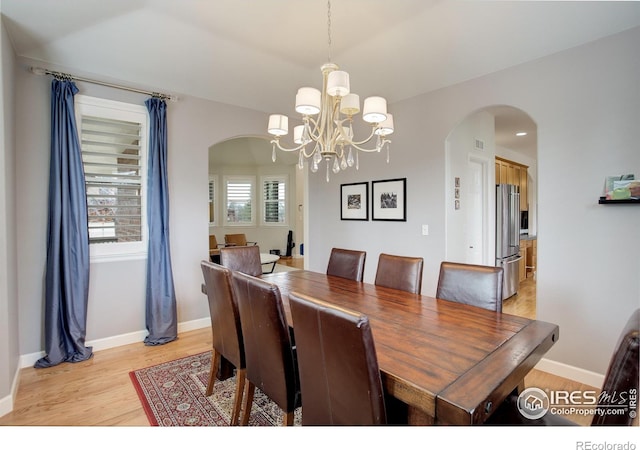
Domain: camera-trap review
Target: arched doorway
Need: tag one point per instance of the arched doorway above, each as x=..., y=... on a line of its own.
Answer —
x=473, y=147
x=245, y=163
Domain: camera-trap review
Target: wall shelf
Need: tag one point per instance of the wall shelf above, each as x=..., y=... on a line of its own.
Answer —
x=604, y=201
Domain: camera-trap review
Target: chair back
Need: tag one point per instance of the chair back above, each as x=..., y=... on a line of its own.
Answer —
x=622, y=374
x=346, y=263
x=213, y=242
x=225, y=317
x=235, y=239
x=471, y=284
x=245, y=259
x=340, y=379
x=269, y=355
x=400, y=272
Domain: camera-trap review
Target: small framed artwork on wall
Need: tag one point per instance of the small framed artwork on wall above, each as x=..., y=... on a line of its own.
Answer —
x=389, y=199
x=354, y=201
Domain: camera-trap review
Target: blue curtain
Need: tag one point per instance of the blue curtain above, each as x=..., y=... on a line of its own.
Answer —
x=67, y=266
x=161, y=317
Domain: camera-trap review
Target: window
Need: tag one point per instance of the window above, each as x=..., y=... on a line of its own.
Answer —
x=239, y=200
x=113, y=138
x=213, y=190
x=274, y=200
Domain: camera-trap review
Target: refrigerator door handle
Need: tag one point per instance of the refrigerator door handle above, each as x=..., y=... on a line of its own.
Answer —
x=514, y=228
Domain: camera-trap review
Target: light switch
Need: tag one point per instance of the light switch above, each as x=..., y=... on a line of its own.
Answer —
x=425, y=230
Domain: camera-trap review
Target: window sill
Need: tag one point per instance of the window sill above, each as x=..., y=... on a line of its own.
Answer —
x=117, y=257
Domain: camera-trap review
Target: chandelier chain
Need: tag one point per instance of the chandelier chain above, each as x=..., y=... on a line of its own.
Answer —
x=326, y=133
x=329, y=28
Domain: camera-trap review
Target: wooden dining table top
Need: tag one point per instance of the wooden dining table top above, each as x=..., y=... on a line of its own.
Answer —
x=450, y=363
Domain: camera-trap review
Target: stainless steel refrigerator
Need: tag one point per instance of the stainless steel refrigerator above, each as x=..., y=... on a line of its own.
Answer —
x=508, y=236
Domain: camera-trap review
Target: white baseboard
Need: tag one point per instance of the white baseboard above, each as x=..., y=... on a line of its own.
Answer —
x=572, y=373
x=6, y=403
x=117, y=341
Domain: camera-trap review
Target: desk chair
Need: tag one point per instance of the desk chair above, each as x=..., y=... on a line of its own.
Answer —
x=225, y=329
x=621, y=377
x=339, y=375
x=346, y=263
x=471, y=284
x=245, y=259
x=400, y=272
x=237, y=240
x=271, y=364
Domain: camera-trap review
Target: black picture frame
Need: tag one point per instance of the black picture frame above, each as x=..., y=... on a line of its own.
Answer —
x=354, y=201
x=389, y=200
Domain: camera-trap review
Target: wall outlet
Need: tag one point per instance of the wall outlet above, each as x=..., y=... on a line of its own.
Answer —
x=425, y=230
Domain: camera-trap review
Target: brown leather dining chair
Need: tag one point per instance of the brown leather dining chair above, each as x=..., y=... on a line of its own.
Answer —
x=471, y=284
x=400, y=272
x=339, y=374
x=621, y=380
x=239, y=239
x=245, y=259
x=225, y=329
x=346, y=263
x=271, y=363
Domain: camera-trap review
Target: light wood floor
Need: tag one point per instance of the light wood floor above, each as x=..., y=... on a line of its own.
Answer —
x=99, y=391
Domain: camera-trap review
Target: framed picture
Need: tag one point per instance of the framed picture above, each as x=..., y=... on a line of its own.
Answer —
x=354, y=201
x=389, y=199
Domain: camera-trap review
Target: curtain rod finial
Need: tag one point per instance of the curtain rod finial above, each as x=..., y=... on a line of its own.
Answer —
x=38, y=71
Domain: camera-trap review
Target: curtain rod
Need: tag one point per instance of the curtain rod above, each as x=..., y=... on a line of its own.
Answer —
x=66, y=76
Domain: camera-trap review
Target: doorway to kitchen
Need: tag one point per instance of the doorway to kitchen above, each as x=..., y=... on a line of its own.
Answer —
x=471, y=151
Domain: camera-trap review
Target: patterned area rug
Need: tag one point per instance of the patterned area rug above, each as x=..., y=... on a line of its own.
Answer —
x=173, y=394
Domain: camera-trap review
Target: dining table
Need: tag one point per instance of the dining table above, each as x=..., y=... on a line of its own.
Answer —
x=450, y=363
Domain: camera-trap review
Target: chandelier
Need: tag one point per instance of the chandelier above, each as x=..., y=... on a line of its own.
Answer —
x=326, y=132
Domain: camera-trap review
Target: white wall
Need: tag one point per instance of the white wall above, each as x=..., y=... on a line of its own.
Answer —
x=460, y=148
x=8, y=284
x=586, y=103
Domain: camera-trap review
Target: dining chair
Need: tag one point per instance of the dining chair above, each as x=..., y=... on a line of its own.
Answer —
x=340, y=379
x=214, y=249
x=471, y=284
x=400, y=272
x=620, y=382
x=270, y=358
x=245, y=259
x=346, y=263
x=225, y=329
x=239, y=239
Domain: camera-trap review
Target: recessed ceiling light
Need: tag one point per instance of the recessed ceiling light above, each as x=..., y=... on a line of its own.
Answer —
x=521, y=133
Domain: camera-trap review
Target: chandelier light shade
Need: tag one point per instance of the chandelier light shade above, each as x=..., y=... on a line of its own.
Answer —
x=326, y=133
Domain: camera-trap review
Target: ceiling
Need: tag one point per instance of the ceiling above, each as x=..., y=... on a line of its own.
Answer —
x=256, y=53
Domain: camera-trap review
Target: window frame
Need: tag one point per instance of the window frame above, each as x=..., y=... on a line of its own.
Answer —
x=110, y=109
x=239, y=178
x=284, y=179
x=213, y=180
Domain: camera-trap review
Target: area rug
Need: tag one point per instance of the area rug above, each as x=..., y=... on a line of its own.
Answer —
x=173, y=394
